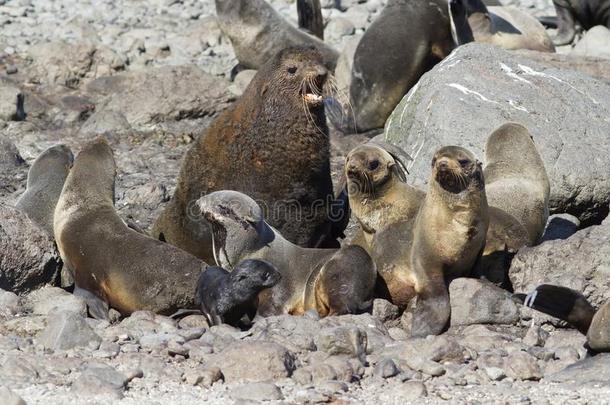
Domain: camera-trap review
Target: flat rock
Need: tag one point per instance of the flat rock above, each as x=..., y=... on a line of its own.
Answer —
x=259, y=391
x=351, y=341
x=567, y=113
x=49, y=300
x=29, y=258
x=592, y=370
x=66, y=330
x=475, y=302
x=100, y=380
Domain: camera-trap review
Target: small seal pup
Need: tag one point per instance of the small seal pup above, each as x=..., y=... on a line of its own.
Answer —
x=571, y=306
x=46, y=178
x=226, y=297
x=406, y=40
x=331, y=281
x=586, y=13
x=114, y=265
x=506, y=27
x=258, y=32
x=272, y=144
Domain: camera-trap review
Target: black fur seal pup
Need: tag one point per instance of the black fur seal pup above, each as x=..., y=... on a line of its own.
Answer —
x=226, y=297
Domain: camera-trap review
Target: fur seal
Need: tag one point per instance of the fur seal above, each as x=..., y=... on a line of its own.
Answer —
x=331, y=281
x=46, y=178
x=506, y=27
x=272, y=144
x=406, y=40
x=257, y=32
x=226, y=297
x=418, y=241
x=587, y=13
x=571, y=306
x=114, y=265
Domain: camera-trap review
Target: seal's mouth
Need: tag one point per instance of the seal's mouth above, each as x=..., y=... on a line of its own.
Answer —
x=219, y=239
x=311, y=91
x=451, y=180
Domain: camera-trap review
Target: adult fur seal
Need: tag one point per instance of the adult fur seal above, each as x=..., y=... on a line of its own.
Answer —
x=406, y=40
x=226, y=297
x=257, y=32
x=114, y=265
x=571, y=306
x=331, y=281
x=587, y=13
x=272, y=144
x=46, y=178
x=506, y=27
x=419, y=242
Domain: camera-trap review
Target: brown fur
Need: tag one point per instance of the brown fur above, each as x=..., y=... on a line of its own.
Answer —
x=270, y=145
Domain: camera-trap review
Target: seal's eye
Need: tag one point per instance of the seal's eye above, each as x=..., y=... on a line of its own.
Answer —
x=292, y=70
x=373, y=164
x=464, y=162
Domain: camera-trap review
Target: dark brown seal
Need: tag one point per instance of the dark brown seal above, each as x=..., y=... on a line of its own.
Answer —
x=273, y=145
x=586, y=13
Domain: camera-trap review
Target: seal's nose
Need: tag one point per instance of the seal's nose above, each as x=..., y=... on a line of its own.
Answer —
x=442, y=164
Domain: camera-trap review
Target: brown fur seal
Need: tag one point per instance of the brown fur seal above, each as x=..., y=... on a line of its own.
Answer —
x=331, y=281
x=571, y=306
x=419, y=241
x=114, y=265
x=272, y=144
x=506, y=27
x=257, y=32
x=46, y=178
x=586, y=13
x=406, y=40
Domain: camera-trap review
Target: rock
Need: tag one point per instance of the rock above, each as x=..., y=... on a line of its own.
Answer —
x=384, y=310
x=105, y=122
x=167, y=93
x=502, y=86
x=590, y=371
x=254, y=361
x=585, y=256
x=343, y=71
x=296, y=333
x=337, y=28
x=594, y=67
x=475, y=301
x=495, y=373
x=68, y=64
x=11, y=103
x=412, y=390
x=209, y=376
x=260, y=391
x=595, y=43
x=9, y=304
x=9, y=397
x=100, y=380
x=342, y=340
x=50, y=300
x=560, y=226
x=386, y=368
x=66, y=330
x=598, y=335
x=30, y=259
x=522, y=366
x=241, y=81
x=193, y=321
x=535, y=336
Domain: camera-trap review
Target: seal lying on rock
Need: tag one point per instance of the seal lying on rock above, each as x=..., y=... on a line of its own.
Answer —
x=506, y=27
x=571, y=306
x=114, y=265
x=587, y=13
x=272, y=144
x=330, y=281
x=226, y=297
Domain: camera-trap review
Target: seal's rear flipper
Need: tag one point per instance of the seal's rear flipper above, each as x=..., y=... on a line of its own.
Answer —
x=549, y=21
x=560, y=302
x=458, y=18
x=97, y=307
x=310, y=17
x=341, y=119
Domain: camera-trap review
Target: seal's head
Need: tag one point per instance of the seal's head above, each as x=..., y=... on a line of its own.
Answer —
x=456, y=169
x=237, y=223
x=250, y=277
x=56, y=160
x=370, y=166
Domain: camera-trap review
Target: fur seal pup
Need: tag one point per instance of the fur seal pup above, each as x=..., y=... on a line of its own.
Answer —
x=46, y=178
x=272, y=144
x=406, y=40
x=114, y=265
x=586, y=13
x=331, y=281
x=258, y=32
x=506, y=27
x=226, y=297
x=571, y=306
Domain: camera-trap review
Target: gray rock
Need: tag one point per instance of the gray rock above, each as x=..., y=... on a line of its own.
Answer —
x=9, y=397
x=522, y=366
x=259, y=391
x=50, y=300
x=598, y=335
x=585, y=256
x=560, y=226
x=594, y=67
x=590, y=371
x=11, y=103
x=9, y=304
x=254, y=361
x=351, y=341
x=100, y=380
x=337, y=28
x=385, y=310
x=475, y=301
x=501, y=86
x=535, y=336
x=386, y=368
x=377, y=336
x=66, y=330
x=241, y=82
x=595, y=43
x=412, y=390
x=30, y=259
x=296, y=333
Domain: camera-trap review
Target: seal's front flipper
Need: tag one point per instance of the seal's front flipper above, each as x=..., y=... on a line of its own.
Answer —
x=310, y=17
x=566, y=25
x=97, y=307
x=549, y=21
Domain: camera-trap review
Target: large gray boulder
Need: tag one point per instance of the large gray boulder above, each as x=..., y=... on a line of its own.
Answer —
x=479, y=87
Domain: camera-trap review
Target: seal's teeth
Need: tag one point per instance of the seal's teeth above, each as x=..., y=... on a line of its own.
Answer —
x=313, y=98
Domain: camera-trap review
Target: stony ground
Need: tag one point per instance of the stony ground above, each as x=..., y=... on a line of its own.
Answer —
x=151, y=75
